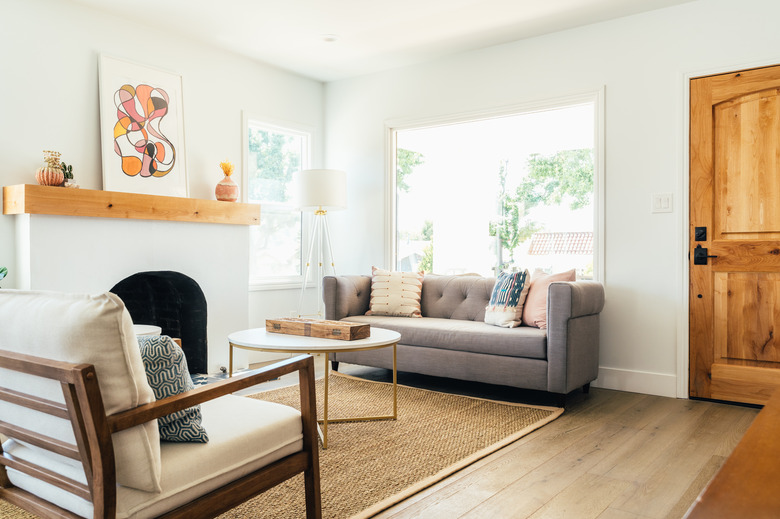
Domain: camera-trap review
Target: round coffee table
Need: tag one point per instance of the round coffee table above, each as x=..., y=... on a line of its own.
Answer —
x=258, y=339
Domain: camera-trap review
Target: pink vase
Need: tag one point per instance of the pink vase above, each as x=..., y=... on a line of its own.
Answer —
x=226, y=190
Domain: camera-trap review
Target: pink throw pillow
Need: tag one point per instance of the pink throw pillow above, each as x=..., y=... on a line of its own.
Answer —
x=535, y=309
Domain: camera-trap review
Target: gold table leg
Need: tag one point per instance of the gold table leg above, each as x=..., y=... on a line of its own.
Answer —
x=325, y=420
x=395, y=385
x=325, y=405
x=230, y=364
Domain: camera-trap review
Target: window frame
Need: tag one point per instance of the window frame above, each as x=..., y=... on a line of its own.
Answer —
x=392, y=127
x=308, y=133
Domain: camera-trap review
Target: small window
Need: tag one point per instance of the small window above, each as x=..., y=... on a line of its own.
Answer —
x=273, y=154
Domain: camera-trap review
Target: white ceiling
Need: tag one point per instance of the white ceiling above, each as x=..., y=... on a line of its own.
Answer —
x=369, y=35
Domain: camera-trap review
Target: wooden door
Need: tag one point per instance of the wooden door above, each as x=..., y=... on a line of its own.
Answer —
x=735, y=199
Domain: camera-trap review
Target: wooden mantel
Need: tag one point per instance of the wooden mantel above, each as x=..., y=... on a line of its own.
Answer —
x=34, y=199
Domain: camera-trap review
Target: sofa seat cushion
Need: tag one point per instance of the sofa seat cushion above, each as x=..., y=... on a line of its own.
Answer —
x=244, y=435
x=463, y=335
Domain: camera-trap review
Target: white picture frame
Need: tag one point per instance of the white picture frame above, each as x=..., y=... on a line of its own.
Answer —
x=141, y=129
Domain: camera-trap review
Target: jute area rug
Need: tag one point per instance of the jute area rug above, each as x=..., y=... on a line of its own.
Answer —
x=369, y=466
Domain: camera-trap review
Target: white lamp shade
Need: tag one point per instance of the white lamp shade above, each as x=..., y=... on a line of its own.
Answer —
x=320, y=189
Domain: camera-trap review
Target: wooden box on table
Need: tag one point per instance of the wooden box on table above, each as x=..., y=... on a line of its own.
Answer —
x=341, y=330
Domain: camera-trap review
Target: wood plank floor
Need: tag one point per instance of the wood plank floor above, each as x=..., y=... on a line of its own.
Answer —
x=611, y=455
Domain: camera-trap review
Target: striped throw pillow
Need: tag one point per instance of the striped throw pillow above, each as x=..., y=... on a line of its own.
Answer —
x=506, y=302
x=167, y=373
x=395, y=293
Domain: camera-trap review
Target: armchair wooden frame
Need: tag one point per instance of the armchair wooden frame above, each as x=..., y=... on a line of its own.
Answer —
x=93, y=428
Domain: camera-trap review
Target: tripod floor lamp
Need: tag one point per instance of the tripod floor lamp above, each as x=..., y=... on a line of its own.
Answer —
x=318, y=191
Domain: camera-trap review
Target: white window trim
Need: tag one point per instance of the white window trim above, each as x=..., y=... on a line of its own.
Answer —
x=596, y=97
x=268, y=123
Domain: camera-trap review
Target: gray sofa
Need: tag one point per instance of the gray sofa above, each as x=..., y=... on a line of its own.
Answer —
x=452, y=340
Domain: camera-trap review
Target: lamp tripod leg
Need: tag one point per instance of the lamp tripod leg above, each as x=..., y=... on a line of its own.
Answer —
x=324, y=233
x=312, y=239
x=330, y=245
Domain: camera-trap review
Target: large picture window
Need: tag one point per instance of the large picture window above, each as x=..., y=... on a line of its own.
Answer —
x=504, y=192
x=273, y=154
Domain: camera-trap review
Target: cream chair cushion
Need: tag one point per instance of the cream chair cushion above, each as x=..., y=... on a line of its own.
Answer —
x=244, y=435
x=81, y=328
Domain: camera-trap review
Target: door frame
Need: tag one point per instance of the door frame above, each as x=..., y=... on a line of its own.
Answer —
x=683, y=330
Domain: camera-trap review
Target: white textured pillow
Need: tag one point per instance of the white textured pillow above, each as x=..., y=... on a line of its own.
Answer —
x=506, y=302
x=90, y=329
x=395, y=293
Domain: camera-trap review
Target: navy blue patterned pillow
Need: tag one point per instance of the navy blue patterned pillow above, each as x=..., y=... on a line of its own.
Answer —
x=167, y=373
x=506, y=302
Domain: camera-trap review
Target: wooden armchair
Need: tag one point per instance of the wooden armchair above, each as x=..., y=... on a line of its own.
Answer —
x=83, y=469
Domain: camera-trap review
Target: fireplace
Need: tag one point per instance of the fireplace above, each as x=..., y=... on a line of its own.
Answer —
x=88, y=254
x=175, y=303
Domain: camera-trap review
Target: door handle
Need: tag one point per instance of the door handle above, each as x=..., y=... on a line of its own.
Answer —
x=700, y=255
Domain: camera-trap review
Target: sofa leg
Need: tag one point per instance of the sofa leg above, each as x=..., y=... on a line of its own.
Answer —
x=586, y=388
x=334, y=365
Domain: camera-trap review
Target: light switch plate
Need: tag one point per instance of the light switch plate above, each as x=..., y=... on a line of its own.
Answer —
x=661, y=203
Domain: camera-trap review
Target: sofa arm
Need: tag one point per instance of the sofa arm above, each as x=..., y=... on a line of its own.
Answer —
x=573, y=334
x=346, y=295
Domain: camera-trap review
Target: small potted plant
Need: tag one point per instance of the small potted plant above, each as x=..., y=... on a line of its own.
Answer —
x=67, y=172
x=3, y=272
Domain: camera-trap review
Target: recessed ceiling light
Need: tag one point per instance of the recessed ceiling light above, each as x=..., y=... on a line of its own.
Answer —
x=329, y=38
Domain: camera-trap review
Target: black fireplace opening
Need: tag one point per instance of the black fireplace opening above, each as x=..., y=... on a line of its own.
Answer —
x=174, y=302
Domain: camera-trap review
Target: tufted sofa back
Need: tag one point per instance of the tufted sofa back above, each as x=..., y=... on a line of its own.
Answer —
x=456, y=297
x=447, y=297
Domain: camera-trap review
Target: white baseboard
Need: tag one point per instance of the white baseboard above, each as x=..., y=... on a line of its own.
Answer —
x=660, y=384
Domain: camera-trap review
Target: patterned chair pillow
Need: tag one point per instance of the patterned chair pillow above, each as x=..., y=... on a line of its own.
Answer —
x=167, y=372
x=506, y=302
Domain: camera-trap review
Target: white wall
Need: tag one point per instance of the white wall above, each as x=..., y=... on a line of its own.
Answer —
x=49, y=101
x=642, y=61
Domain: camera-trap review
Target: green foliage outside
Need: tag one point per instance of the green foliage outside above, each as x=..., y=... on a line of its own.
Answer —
x=273, y=158
x=551, y=180
x=427, y=231
x=276, y=161
x=514, y=227
x=426, y=263
x=405, y=162
x=567, y=174
x=564, y=177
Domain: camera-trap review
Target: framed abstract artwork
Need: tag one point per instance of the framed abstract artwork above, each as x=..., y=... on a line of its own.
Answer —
x=141, y=129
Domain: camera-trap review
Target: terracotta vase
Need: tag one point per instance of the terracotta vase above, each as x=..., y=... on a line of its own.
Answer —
x=49, y=176
x=227, y=190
